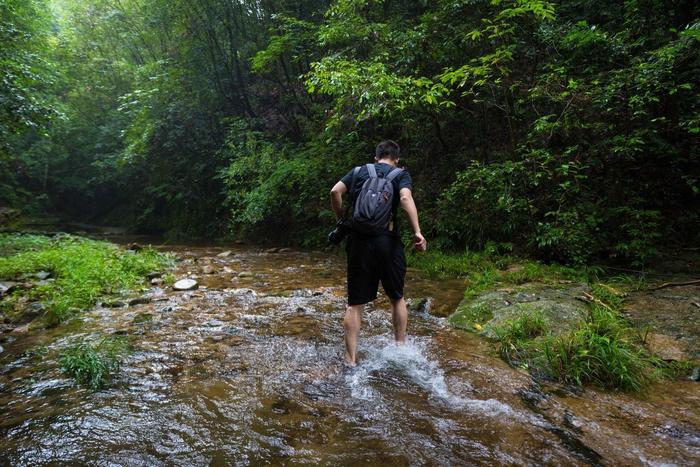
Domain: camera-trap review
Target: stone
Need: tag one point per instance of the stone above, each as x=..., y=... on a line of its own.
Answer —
x=667, y=347
x=33, y=310
x=111, y=303
x=42, y=275
x=208, y=269
x=245, y=274
x=228, y=270
x=421, y=306
x=272, y=250
x=1, y=349
x=185, y=284
x=153, y=275
x=134, y=247
x=8, y=287
x=139, y=301
x=560, y=306
x=156, y=281
x=224, y=254
x=284, y=250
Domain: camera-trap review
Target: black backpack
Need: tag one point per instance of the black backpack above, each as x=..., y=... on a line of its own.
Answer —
x=372, y=207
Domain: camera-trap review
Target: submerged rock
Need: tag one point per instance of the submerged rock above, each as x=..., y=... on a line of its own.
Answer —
x=667, y=347
x=484, y=313
x=185, y=284
x=139, y=301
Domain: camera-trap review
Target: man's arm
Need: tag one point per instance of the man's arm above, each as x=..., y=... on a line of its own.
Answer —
x=337, y=193
x=408, y=205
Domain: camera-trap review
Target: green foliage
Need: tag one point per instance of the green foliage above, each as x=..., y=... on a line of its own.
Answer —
x=82, y=270
x=557, y=127
x=92, y=363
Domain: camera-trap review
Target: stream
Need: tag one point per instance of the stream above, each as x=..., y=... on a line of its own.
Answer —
x=246, y=370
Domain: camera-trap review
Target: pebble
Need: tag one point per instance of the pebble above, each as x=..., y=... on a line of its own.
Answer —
x=245, y=274
x=224, y=254
x=185, y=284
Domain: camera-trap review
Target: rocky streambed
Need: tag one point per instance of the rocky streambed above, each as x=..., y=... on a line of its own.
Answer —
x=245, y=369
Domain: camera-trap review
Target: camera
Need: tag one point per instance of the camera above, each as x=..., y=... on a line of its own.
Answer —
x=338, y=234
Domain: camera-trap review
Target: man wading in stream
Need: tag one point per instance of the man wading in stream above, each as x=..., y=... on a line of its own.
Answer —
x=374, y=248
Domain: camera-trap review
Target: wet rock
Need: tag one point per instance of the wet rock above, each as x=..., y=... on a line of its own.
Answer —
x=156, y=281
x=284, y=250
x=111, y=303
x=421, y=306
x=272, y=250
x=228, y=270
x=42, y=275
x=8, y=287
x=667, y=347
x=185, y=284
x=245, y=274
x=695, y=375
x=33, y=310
x=139, y=301
x=560, y=306
x=134, y=247
x=153, y=275
x=208, y=269
x=224, y=254
x=21, y=329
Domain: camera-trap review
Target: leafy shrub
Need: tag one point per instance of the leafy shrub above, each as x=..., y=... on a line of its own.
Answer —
x=92, y=363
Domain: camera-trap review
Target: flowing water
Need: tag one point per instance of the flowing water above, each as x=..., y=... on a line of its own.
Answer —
x=247, y=370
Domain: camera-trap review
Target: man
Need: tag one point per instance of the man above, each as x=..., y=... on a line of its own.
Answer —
x=380, y=257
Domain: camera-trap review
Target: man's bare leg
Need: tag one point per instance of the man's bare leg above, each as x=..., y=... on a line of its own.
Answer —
x=352, y=323
x=399, y=318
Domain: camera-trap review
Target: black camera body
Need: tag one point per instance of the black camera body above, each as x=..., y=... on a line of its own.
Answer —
x=342, y=228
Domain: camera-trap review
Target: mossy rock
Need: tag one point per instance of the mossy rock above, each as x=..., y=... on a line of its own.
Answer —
x=490, y=310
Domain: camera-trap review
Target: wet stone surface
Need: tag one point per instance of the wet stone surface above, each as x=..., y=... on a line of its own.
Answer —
x=247, y=370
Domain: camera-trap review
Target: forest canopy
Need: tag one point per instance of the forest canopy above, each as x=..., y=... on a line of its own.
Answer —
x=568, y=129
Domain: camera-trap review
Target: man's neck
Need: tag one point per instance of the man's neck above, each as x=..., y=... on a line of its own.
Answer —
x=387, y=161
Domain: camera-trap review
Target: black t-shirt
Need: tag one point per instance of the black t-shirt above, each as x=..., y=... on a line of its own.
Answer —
x=403, y=180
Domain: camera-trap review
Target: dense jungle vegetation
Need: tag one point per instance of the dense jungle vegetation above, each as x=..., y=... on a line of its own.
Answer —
x=565, y=129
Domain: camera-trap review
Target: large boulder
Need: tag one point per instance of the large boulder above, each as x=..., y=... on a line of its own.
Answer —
x=561, y=306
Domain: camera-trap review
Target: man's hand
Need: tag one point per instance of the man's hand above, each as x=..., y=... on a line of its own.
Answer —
x=419, y=242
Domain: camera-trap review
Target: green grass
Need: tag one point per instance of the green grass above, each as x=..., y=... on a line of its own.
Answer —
x=516, y=336
x=603, y=350
x=91, y=364
x=83, y=270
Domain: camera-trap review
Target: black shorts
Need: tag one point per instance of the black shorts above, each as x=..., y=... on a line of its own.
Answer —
x=374, y=259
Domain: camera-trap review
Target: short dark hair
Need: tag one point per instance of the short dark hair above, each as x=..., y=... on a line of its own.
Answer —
x=387, y=148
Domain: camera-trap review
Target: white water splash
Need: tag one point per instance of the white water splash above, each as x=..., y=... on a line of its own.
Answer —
x=411, y=360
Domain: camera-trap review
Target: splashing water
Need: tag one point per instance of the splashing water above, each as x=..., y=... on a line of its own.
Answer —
x=411, y=362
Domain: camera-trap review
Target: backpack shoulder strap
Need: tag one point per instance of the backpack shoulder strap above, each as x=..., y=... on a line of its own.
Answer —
x=372, y=171
x=394, y=173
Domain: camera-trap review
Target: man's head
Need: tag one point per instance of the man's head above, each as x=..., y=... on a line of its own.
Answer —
x=387, y=149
